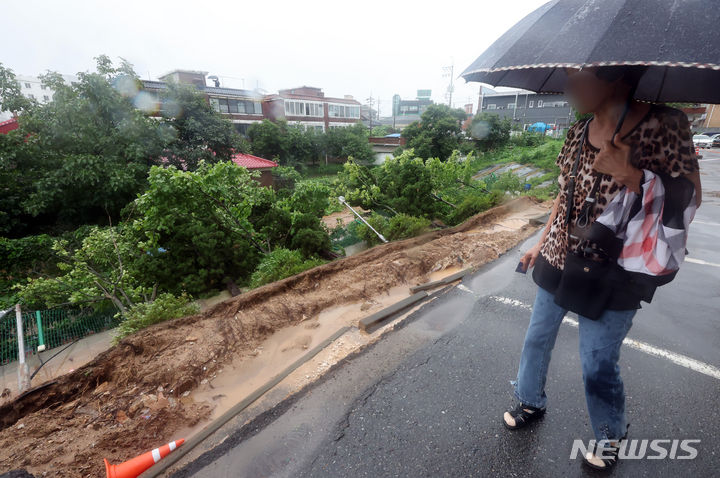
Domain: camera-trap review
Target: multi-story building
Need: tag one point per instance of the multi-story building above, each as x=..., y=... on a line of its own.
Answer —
x=526, y=108
x=241, y=107
x=308, y=106
x=408, y=111
x=32, y=87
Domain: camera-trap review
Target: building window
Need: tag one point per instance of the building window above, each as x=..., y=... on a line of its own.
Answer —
x=531, y=103
x=27, y=85
x=46, y=98
x=32, y=97
x=224, y=108
x=511, y=106
x=42, y=87
x=303, y=108
x=343, y=111
x=215, y=103
x=241, y=128
x=233, y=106
x=540, y=103
x=492, y=106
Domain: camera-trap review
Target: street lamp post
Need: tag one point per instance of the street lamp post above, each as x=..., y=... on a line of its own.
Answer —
x=342, y=200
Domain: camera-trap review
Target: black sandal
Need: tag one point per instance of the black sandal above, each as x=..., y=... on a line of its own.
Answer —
x=609, y=455
x=523, y=417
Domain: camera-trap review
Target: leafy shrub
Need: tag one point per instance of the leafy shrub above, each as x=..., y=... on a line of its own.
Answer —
x=285, y=177
x=165, y=307
x=21, y=258
x=402, y=226
x=473, y=205
x=379, y=222
x=279, y=264
x=508, y=181
x=528, y=138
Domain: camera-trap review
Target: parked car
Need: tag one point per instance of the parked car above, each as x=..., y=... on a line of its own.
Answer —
x=702, y=141
x=715, y=140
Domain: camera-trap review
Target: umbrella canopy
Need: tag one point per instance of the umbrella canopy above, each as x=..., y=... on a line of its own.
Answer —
x=679, y=41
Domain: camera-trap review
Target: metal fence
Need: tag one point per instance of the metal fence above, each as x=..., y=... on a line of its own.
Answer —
x=49, y=328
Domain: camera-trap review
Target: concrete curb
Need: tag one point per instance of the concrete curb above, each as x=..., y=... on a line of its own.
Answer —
x=370, y=320
x=443, y=281
x=539, y=220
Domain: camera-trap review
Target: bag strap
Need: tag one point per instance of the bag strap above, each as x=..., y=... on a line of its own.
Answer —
x=573, y=175
x=586, y=212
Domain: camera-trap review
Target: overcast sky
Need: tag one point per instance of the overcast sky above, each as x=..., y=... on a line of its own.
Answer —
x=359, y=48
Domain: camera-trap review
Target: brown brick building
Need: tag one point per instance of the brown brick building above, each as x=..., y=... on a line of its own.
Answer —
x=310, y=107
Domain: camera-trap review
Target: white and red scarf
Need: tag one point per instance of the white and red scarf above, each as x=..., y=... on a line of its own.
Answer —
x=653, y=226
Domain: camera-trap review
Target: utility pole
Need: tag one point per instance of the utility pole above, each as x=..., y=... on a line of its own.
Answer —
x=371, y=102
x=449, y=72
x=480, y=100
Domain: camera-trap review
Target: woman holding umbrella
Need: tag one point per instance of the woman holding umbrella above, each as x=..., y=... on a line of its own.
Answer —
x=605, y=56
x=603, y=92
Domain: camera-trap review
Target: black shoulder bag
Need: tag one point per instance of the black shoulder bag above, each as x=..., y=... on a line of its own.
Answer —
x=587, y=279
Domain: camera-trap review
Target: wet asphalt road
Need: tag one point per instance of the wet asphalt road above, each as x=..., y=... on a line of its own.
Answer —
x=427, y=400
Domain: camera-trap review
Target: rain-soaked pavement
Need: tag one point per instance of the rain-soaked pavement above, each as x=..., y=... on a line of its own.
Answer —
x=427, y=399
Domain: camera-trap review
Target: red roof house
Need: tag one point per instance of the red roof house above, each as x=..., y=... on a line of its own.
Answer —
x=255, y=163
x=9, y=125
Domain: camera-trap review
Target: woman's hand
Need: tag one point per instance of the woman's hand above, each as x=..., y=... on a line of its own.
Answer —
x=528, y=260
x=615, y=161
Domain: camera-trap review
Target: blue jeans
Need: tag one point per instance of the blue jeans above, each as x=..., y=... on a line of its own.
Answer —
x=600, y=342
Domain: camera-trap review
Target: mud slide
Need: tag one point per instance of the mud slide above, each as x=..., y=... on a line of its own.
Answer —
x=137, y=394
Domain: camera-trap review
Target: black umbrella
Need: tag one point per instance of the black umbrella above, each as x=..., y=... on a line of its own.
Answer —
x=678, y=40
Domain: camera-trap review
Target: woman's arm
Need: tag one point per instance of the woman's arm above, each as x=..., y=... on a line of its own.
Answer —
x=695, y=178
x=553, y=213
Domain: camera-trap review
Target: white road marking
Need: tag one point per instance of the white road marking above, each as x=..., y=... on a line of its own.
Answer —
x=678, y=359
x=697, y=221
x=700, y=261
x=710, y=159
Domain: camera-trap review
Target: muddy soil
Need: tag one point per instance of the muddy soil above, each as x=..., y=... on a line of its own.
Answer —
x=136, y=395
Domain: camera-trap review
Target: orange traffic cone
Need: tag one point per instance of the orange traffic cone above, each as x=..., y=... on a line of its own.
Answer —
x=133, y=468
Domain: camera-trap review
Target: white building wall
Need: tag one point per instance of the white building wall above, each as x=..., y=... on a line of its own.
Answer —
x=31, y=87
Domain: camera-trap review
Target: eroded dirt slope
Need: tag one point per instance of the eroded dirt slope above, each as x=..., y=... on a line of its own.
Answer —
x=133, y=397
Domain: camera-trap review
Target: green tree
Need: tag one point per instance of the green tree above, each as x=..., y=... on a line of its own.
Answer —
x=193, y=227
x=79, y=158
x=400, y=184
x=437, y=133
x=285, y=143
x=349, y=141
x=11, y=98
x=84, y=155
x=199, y=132
x=489, y=131
x=98, y=271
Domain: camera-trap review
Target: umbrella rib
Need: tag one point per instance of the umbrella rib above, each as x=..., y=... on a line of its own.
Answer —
x=503, y=77
x=607, y=28
x=546, y=79
x=662, y=84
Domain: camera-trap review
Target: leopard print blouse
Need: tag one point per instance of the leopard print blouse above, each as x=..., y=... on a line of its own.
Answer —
x=661, y=142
